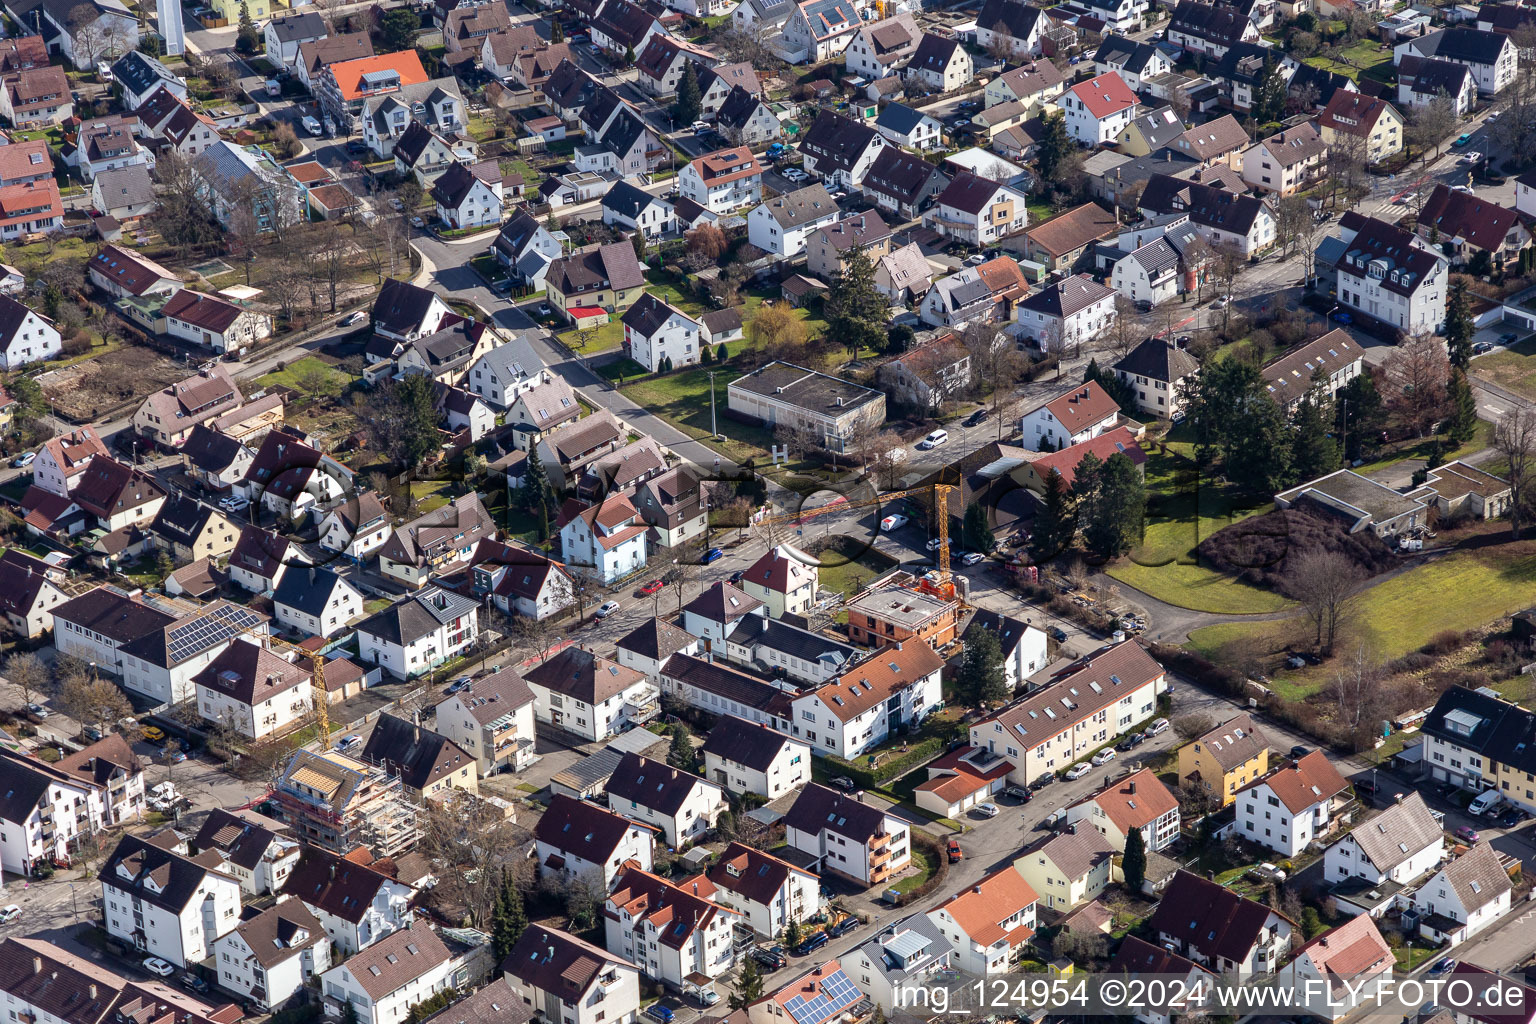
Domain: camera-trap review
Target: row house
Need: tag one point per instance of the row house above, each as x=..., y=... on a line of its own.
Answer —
x=881, y=697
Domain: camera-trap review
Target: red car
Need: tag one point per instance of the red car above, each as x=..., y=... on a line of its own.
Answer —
x=653, y=587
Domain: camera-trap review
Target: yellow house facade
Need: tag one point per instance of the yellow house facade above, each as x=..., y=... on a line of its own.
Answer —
x=1226, y=759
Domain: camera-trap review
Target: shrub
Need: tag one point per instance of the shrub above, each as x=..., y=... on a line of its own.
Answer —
x=1258, y=550
x=1444, y=642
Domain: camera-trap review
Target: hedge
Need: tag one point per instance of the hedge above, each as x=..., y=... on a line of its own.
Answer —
x=865, y=777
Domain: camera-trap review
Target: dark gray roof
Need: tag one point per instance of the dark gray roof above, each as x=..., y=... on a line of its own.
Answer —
x=401, y=306
x=653, y=784
x=113, y=614
x=623, y=132
x=656, y=640
x=738, y=108
x=24, y=781
x=304, y=26
x=139, y=73
x=1158, y=360
x=725, y=682
x=152, y=874
x=1009, y=17
x=1431, y=76
x=181, y=519
x=1009, y=631
x=899, y=175
x=1220, y=24
x=802, y=206
x=418, y=756
x=1159, y=127
x=736, y=739
x=807, y=389
x=626, y=200
x=1467, y=45
x=648, y=314
x=1128, y=54
x=899, y=118
x=125, y=186
x=414, y=617
x=306, y=589
x=819, y=809
x=933, y=53
x=837, y=140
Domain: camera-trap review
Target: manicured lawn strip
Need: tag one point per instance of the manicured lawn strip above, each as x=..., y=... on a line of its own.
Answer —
x=838, y=573
x=1458, y=592
x=608, y=336
x=1164, y=566
x=1423, y=449
x=294, y=372
x=926, y=864
x=682, y=399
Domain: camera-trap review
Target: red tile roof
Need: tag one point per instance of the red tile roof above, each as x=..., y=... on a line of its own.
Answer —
x=1065, y=462
x=1104, y=95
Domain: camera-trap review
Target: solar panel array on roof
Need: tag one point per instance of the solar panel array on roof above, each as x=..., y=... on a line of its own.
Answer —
x=219, y=625
x=837, y=994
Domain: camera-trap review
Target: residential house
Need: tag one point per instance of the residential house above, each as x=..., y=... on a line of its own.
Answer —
x=664, y=61
x=745, y=120
x=957, y=300
x=120, y=272
x=722, y=181
x=163, y=904
x=62, y=460
x=607, y=277
x=284, y=36
x=139, y=75
x=1389, y=275
x=745, y=757
x=315, y=57
x=466, y=27
x=170, y=119
x=679, y=805
x=674, y=933
x=427, y=154
x=1492, y=57
x=784, y=580
x=900, y=182
x=1465, y=226
x=831, y=409
x=1288, y=162
x=1340, y=965
x=621, y=26
x=817, y=30
x=580, y=839
x=29, y=592
x=1098, y=110
x=1220, y=141
x=492, y=721
x=927, y=376
x=1032, y=84
x=1150, y=132
x=428, y=764
x=386, y=981
x=469, y=197
x=566, y=453
x=1220, y=929
x=828, y=245
x=838, y=148
x=977, y=211
x=521, y=582
x=356, y=528
x=419, y=632
x=253, y=692
x=878, y=49
x=509, y=370
x=25, y=337
x=1015, y=28
x=567, y=978
x=239, y=185
x=1133, y=61
x=51, y=807
x=844, y=836
x=338, y=804
x=1421, y=81
x=718, y=83
x=607, y=540
x=405, y=312
x=169, y=415
x=1136, y=803
x=589, y=695
x=1099, y=698
x=767, y=891
x=1139, y=957
x=315, y=601
x=630, y=207
x=36, y=97
x=1069, y=312
x=125, y=195
x=1225, y=759
x=288, y=476
x=903, y=275
x=1320, y=368
x=1292, y=805
x=1021, y=645
x=1367, y=124
x=188, y=529
x=988, y=924
x=526, y=249
x=1209, y=29
x=672, y=505
x=1159, y=376
x=783, y=224
x=343, y=87
x=1067, y=869
x=899, y=955
x=252, y=847
x=940, y=64
x=214, y=323
x=271, y=957
x=30, y=209
x=1464, y=897
x=1243, y=222
x=436, y=542
x=872, y=700
x=1398, y=845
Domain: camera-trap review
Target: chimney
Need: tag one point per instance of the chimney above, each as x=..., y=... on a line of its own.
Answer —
x=333, y=870
x=37, y=965
x=1132, y=787
x=93, y=990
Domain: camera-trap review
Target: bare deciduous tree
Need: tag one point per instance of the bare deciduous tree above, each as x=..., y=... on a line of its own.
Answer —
x=472, y=836
x=1514, y=438
x=1193, y=724
x=27, y=672
x=1326, y=585
x=1357, y=695
x=1419, y=376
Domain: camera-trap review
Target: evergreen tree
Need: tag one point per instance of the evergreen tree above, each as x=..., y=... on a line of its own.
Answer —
x=1120, y=500
x=1134, y=863
x=1458, y=325
x=981, y=677
x=705, y=355
x=1055, y=145
x=1085, y=488
x=1361, y=417
x=1056, y=523
x=721, y=354
x=792, y=934
x=1461, y=425
x=976, y=531
x=1260, y=459
x=556, y=31
x=638, y=241
x=509, y=918
x=1269, y=99
x=537, y=496
x=689, y=104
x=629, y=55
x=855, y=312
x=1314, y=452
x=680, y=755
x=1113, y=386
x=749, y=986
x=247, y=41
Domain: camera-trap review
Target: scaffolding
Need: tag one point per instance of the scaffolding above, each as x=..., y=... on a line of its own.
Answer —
x=338, y=803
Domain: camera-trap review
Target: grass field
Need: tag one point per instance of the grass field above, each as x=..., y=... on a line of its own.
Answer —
x=1461, y=591
x=925, y=863
x=1513, y=367
x=297, y=374
x=1361, y=59
x=607, y=337
x=847, y=576
x=682, y=399
x=1165, y=565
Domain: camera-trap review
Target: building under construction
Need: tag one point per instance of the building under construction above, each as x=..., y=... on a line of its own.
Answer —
x=339, y=803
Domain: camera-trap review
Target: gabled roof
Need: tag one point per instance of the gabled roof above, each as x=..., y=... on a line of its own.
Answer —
x=627, y=200
x=819, y=809
x=1398, y=833
x=414, y=617
x=250, y=674
x=738, y=108
x=1430, y=76
x=154, y=875
x=1067, y=297
x=401, y=306
x=1118, y=51
x=107, y=488
x=1352, y=113
x=1104, y=95
x=1074, y=854
x=304, y=26
x=458, y=524
x=1009, y=18
x=723, y=602
x=1469, y=218
x=139, y=72
x=828, y=19
x=1289, y=376
x=1477, y=877
x=623, y=22
x=1212, y=139
x=583, y=829
x=802, y=206
x=838, y=141
x=126, y=268
x=1465, y=45
x=549, y=960
x=753, y=875
x=656, y=640
x=742, y=742
x=334, y=50
x=1234, y=743
x=879, y=678
x=900, y=175
x=1217, y=23
x=208, y=312
x=981, y=909
x=1212, y=919
x=933, y=54
x=653, y=784
x=418, y=756
x=584, y=676
x=970, y=193
x=1064, y=463
x=1156, y=359
x=1408, y=264
x=614, y=264
x=335, y=885
x=1137, y=956
x=396, y=960
x=241, y=838
x=496, y=696
x=1310, y=781
x=1136, y=801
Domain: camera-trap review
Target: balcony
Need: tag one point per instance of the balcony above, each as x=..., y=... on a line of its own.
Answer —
x=880, y=856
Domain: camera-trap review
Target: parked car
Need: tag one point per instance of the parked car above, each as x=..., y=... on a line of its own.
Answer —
x=1511, y=818
x=153, y=734
x=1462, y=140
x=653, y=587
x=1343, y=317
x=934, y=543
x=987, y=810
x=155, y=965
x=1132, y=741
x=738, y=576
x=311, y=125
x=606, y=609
x=193, y=983
x=1482, y=346
x=355, y=317
x=713, y=555
x=971, y=557
x=1158, y=727
x=812, y=944
x=348, y=742
x=1019, y=793
x=23, y=460
x=843, y=782
x=976, y=418
x=1443, y=965
x=954, y=851
x=461, y=683
x=1077, y=771
x=1058, y=634
x=1299, y=751
x=1103, y=757
x=9, y=913
x=846, y=925
x=699, y=126
x=1467, y=834
x=1508, y=338
x=894, y=521
x=39, y=710
x=771, y=957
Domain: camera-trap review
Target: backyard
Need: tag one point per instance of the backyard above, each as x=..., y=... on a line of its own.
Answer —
x=846, y=571
x=1366, y=58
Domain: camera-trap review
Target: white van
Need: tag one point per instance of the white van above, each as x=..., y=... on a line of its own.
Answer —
x=1410, y=544
x=1486, y=801
x=933, y=440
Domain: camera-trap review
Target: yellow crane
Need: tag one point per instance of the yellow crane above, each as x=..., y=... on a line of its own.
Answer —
x=940, y=495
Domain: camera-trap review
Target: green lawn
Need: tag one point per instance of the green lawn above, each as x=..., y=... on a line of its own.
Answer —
x=609, y=336
x=1461, y=591
x=925, y=862
x=1182, y=511
x=622, y=369
x=430, y=494
x=1423, y=449
x=839, y=573
x=682, y=399
x=297, y=373
x=1361, y=59
x=1513, y=367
